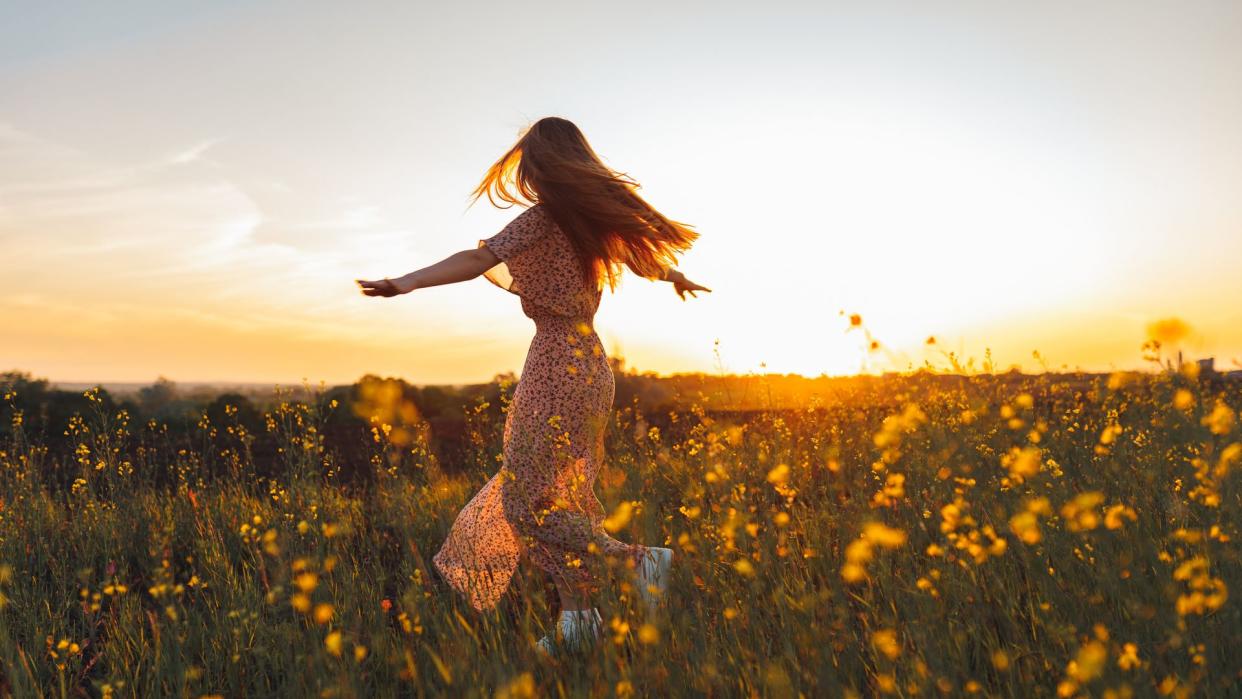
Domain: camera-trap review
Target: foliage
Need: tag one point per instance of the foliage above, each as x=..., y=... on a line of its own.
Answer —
x=1002, y=536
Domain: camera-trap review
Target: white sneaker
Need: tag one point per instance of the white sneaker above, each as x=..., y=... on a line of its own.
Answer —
x=653, y=573
x=574, y=630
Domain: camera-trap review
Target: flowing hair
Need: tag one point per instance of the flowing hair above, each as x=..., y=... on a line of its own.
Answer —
x=598, y=208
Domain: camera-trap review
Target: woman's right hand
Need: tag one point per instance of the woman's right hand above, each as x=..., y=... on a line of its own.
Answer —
x=382, y=287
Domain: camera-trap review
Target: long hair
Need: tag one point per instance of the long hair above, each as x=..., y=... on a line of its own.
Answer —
x=599, y=209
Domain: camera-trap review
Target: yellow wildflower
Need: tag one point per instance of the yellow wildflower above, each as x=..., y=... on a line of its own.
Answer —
x=333, y=643
x=885, y=642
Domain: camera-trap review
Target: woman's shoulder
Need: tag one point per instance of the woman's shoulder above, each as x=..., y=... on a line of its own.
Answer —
x=538, y=213
x=519, y=234
x=535, y=222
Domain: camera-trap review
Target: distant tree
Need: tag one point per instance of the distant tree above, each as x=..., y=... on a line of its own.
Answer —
x=25, y=385
x=46, y=410
x=156, y=397
x=247, y=414
x=164, y=402
x=24, y=393
x=434, y=401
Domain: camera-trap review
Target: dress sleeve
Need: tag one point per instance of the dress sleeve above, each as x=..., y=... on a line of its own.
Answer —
x=522, y=232
x=518, y=236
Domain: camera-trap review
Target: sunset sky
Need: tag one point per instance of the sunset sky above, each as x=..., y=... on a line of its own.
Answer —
x=190, y=189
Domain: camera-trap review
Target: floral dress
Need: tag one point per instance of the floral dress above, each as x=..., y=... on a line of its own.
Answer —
x=541, y=502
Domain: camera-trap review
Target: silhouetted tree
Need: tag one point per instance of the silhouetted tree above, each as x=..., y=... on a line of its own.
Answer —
x=156, y=397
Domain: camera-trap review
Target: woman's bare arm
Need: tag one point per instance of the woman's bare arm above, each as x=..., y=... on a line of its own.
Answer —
x=682, y=285
x=458, y=267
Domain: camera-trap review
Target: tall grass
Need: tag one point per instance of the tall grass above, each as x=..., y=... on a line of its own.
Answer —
x=922, y=537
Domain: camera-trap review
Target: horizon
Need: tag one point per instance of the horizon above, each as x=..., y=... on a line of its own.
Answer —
x=1151, y=368
x=196, y=188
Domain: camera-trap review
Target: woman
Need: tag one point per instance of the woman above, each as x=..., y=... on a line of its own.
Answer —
x=583, y=223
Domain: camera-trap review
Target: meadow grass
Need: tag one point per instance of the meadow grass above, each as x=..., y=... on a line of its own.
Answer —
x=922, y=536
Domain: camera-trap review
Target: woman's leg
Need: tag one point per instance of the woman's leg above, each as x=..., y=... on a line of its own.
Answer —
x=572, y=600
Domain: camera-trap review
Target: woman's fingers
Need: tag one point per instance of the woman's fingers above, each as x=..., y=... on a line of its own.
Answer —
x=379, y=287
x=689, y=287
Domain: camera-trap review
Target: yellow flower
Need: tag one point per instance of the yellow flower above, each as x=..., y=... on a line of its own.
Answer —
x=1039, y=506
x=360, y=653
x=333, y=643
x=852, y=573
x=779, y=475
x=323, y=613
x=619, y=518
x=306, y=582
x=1129, y=658
x=520, y=687
x=1080, y=514
x=884, y=536
x=1025, y=525
x=744, y=567
x=1114, y=515
x=950, y=516
x=1221, y=419
x=1110, y=433
x=894, y=489
x=885, y=642
x=648, y=634
x=1183, y=399
x=859, y=552
x=1022, y=463
x=1089, y=662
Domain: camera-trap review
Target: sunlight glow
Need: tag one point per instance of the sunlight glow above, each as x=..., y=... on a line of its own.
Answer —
x=999, y=185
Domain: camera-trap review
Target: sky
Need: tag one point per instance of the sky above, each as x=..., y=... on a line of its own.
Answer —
x=189, y=189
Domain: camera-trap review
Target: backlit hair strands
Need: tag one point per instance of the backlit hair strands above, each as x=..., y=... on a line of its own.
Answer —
x=599, y=209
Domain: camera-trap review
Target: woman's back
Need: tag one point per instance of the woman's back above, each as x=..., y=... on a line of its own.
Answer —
x=539, y=263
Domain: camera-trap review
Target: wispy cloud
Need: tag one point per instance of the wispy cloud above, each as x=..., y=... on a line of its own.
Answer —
x=182, y=227
x=195, y=152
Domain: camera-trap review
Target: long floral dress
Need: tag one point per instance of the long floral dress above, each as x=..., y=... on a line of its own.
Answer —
x=541, y=502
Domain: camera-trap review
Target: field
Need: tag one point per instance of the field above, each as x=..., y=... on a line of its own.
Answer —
x=921, y=535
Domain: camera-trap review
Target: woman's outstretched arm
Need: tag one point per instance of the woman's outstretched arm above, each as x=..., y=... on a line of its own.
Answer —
x=458, y=267
x=680, y=284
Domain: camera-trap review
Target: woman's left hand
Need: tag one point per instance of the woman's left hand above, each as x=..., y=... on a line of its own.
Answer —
x=684, y=286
